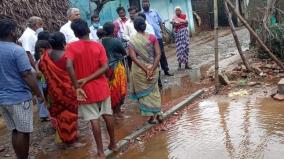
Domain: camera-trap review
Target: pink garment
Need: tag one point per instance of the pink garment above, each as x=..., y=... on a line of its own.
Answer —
x=153, y=39
x=180, y=22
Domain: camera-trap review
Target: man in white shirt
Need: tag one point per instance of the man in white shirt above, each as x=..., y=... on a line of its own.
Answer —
x=28, y=41
x=119, y=25
x=29, y=37
x=94, y=27
x=72, y=13
x=129, y=28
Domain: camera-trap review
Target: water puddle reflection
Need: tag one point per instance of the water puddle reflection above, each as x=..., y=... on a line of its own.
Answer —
x=221, y=128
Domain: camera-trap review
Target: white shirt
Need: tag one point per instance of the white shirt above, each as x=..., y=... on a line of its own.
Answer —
x=149, y=29
x=93, y=34
x=130, y=30
x=121, y=28
x=28, y=40
x=68, y=32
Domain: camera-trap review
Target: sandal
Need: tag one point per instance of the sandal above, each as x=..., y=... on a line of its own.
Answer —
x=152, y=120
x=160, y=118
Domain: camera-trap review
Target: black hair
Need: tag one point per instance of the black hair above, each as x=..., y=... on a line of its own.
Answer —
x=109, y=28
x=41, y=44
x=131, y=8
x=44, y=35
x=142, y=15
x=7, y=26
x=57, y=41
x=95, y=16
x=139, y=24
x=80, y=27
x=101, y=33
x=120, y=9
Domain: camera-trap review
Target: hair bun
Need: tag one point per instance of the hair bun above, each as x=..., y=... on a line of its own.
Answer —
x=51, y=41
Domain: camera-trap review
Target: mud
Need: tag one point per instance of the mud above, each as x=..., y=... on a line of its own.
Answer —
x=221, y=127
x=174, y=88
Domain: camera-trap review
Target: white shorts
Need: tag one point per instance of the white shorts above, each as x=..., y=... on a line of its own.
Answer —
x=95, y=110
x=18, y=116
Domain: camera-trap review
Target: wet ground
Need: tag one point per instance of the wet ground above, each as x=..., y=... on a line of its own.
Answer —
x=221, y=127
x=199, y=129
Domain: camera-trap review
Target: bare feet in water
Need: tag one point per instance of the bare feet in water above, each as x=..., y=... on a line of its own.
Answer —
x=119, y=115
x=100, y=156
x=113, y=147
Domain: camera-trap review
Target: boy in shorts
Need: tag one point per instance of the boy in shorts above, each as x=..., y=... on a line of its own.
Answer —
x=87, y=62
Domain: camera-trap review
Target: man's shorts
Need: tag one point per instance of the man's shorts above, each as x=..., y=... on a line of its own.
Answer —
x=18, y=116
x=95, y=110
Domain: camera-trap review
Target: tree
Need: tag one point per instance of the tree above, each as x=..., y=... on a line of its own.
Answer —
x=217, y=85
x=100, y=4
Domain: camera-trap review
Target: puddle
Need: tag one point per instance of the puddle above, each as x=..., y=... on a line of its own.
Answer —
x=183, y=84
x=221, y=128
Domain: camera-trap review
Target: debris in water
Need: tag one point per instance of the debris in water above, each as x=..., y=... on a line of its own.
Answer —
x=239, y=93
x=7, y=155
x=279, y=97
x=138, y=139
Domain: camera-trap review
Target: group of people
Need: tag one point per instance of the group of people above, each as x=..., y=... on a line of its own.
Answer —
x=82, y=71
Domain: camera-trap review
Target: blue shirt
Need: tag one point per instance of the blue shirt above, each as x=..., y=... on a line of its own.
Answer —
x=13, y=61
x=154, y=19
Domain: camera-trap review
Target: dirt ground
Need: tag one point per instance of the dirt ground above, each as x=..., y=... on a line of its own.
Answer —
x=174, y=90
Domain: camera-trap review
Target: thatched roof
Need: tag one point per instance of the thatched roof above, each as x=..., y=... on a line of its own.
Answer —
x=53, y=12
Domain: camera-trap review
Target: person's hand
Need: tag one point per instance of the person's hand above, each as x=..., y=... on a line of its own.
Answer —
x=40, y=99
x=38, y=75
x=150, y=74
x=81, y=95
x=82, y=82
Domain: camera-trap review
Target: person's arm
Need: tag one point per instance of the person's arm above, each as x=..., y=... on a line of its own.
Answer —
x=133, y=56
x=81, y=95
x=157, y=53
x=24, y=68
x=28, y=77
x=71, y=71
x=101, y=71
x=31, y=59
x=95, y=75
x=160, y=20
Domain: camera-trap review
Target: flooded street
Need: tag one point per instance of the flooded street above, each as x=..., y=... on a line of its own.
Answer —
x=182, y=84
x=251, y=126
x=220, y=127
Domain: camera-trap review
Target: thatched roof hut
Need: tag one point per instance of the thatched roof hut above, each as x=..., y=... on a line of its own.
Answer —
x=53, y=12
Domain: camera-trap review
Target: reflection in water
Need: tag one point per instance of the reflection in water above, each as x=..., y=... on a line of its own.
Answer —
x=223, y=128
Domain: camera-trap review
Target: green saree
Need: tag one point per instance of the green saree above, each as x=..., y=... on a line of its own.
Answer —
x=145, y=91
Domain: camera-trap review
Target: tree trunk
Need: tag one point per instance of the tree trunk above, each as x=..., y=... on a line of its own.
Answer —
x=229, y=15
x=100, y=4
x=217, y=85
x=255, y=35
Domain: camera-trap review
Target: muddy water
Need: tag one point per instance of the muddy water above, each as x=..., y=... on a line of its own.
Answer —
x=221, y=128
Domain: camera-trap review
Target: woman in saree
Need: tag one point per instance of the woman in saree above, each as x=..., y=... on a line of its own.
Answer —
x=117, y=72
x=180, y=25
x=144, y=51
x=61, y=94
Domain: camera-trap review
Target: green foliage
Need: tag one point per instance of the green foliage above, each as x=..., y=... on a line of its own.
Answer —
x=276, y=39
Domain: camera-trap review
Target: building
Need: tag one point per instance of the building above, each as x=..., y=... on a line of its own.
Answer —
x=108, y=13
x=204, y=9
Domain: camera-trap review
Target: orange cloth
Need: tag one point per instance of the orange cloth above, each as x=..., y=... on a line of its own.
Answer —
x=63, y=101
